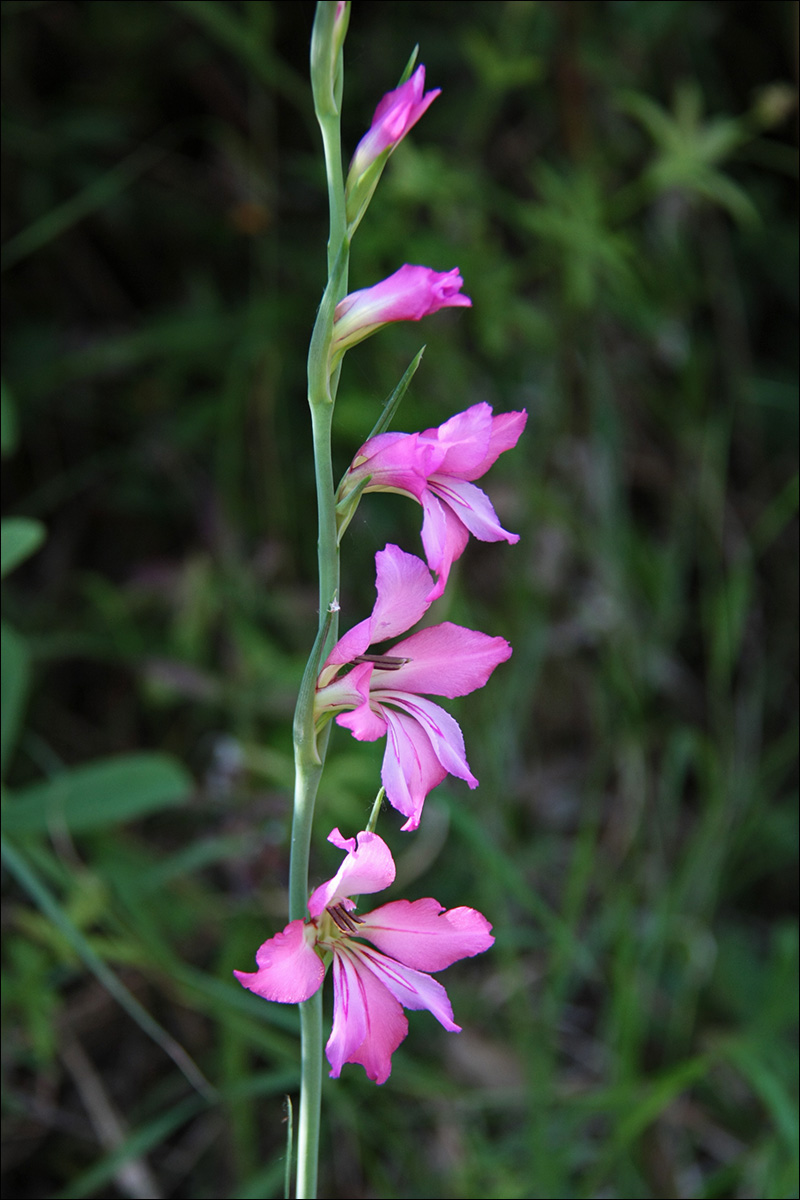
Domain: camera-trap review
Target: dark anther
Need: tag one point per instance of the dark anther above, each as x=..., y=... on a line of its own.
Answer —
x=384, y=662
x=347, y=922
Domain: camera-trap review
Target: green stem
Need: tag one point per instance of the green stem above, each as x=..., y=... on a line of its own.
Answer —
x=309, y=750
x=310, y=1097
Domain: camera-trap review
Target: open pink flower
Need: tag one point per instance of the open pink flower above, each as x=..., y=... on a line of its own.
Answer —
x=397, y=112
x=381, y=693
x=409, y=295
x=370, y=986
x=436, y=469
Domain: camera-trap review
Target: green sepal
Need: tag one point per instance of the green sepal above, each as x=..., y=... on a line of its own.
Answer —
x=305, y=726
x=327, y=40
x=348, y=502
x=392, y=403
x=376, y=809
x=319, y=350
x=346, y=507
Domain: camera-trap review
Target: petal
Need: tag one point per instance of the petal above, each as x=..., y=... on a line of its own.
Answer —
x=423, y=935
x=350, y=691
x=364, y=723
x=413, y=989
x=473, y=507
x=289, y=969
x=368, y=868
x=475, y=440
x=444, y=537
x=410, y=767
x=465, y=439
x=368, y=1022
x=506, y=431
x=403, y=583
x=398, y=462
x=433, y=723
x=446, y=660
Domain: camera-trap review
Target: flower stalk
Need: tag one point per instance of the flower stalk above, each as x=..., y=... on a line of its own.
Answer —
x=330, y=26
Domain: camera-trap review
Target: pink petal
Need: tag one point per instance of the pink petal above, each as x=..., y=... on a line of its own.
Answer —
x=423, y=935
x=444, y=537
x=413, y=989
x=506, y=431
x=474, y=440
x=433, y=723
x=410, y=767
x=465, y=439
x=367, y=868
x=473, y=507
x=446, y=660
x=364, y=723
x=403, y=583
x=398, y=462
x=423, y=744
x=368, y=1022
x=290, y=970
x=349, y=691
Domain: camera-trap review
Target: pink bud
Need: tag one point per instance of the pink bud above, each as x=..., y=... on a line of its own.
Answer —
x=408, y=295
x=397, y=112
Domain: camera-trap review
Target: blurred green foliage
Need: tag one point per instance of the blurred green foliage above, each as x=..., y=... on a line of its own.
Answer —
x=617, y=183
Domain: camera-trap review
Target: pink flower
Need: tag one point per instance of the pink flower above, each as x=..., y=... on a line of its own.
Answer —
x=397, y=112
x=380, y=695
x=370, y=986
x=436, y=469
x=408, y=295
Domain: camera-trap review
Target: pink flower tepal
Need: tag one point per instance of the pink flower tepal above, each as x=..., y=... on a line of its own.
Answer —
x=437, y=468
x=381, y=695
x=397, y=112
x=370, y=986
x=409, y=295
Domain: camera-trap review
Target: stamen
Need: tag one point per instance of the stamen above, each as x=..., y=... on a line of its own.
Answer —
x=384, y=662
x=347, y=922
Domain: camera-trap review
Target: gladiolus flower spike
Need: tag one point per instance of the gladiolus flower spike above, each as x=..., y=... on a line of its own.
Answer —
x=381, y=693
x=371, y=986
x=436, y=468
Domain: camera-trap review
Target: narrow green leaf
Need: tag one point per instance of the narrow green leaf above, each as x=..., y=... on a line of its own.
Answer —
x=392, y=404
x=98, y=795
x=47, y=903
x=776, y=1099
x=8, y=421
x=95, y=195
x=20, y=537
x=14, y=684
x=140, y=1142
